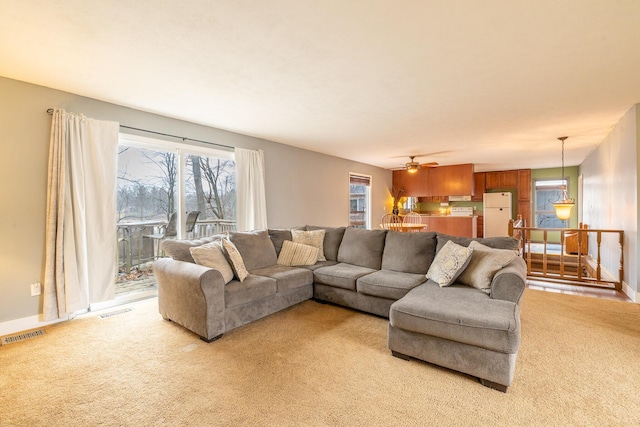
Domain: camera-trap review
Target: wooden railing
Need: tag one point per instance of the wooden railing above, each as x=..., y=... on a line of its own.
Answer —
x=550, y=258
x=134, y=249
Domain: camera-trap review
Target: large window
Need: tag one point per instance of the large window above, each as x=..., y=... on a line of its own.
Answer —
x=548, y=191
x=359, y=200
x=159, y=184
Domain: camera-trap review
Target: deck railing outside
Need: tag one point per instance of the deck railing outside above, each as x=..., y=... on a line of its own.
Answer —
x=135, y=249
x=572, y=255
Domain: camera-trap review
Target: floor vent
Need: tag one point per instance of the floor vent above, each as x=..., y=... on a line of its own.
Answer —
x=115, y=313
x=22, y=337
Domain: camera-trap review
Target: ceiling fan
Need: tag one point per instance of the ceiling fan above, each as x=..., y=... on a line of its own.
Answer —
x=412, y=166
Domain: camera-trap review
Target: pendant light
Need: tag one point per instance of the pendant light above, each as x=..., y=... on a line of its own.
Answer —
x=563, y=207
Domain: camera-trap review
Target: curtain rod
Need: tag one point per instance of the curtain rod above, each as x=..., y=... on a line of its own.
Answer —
x=183, y=138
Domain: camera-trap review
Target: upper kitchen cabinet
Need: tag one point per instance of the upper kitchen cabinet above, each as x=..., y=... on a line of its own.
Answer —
x=501, y=179
x=479, y=186
x=455, y=180
x=524, y=185
x=414, y=184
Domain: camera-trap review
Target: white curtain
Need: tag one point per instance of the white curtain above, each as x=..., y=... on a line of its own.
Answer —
x=80, y=248
x=250, y=190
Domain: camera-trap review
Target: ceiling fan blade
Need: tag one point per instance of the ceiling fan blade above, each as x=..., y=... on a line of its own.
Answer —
x=430, y=164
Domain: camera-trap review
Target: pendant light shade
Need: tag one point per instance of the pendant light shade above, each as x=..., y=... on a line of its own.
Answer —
x=563, y=207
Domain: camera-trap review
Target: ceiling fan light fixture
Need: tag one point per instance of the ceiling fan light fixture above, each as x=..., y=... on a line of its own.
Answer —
x=412, y=167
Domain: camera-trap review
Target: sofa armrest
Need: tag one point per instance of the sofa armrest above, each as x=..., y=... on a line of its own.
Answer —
x=191, y=295
x=509, y=282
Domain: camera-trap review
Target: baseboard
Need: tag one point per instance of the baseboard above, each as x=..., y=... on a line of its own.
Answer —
x=26, y=323
x=626, y=289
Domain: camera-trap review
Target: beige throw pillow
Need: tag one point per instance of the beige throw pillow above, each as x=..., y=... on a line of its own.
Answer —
x=449, y=262
x=313, y=238
x=211, y=255
x=235, y=259
x=297, y=254
x=485, y=263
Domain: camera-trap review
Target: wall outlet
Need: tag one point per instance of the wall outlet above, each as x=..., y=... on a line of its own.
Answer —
x=35, y=289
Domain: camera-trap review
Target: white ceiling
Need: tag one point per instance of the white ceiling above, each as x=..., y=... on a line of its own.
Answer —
x=490, y=82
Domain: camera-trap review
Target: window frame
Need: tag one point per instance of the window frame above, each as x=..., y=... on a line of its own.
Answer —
x=367, y=198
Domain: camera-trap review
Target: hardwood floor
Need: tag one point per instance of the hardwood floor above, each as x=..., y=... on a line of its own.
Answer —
x=588, y=291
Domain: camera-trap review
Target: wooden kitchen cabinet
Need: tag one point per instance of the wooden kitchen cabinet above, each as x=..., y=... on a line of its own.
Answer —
x=441, y=181
x=414, y=184
x=462, y=226
x=524, y=210
x=479, y=186
x=455, y=180
x=501, y=179
x=524, y=185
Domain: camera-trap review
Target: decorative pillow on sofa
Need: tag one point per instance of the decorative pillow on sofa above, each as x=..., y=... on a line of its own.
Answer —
x=485, y=263
x=255, y=247
x=235, y=259
x=297, y=254
x=313, y=238
x=211, y=255
x=332, y=239
x=449, y=263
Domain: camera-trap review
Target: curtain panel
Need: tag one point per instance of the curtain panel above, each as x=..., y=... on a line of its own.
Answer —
x=80, y=247
x=250, y=190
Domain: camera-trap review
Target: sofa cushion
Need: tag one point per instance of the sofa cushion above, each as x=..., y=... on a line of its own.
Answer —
x=461, y=314
x=492, y=242
x=255, y=247
x=409, y=252
x=485, y=263
x=449, y=263
x=297, y=254
x=313, y=238
x=341, y=275
x=318, y=265
x=287, y=277
x=179, y=249
x=362, y=247
x=212, y=255
x=332, y=239
x=278, y=236
x=388, y=284
x=251, y=289
x=235, y=259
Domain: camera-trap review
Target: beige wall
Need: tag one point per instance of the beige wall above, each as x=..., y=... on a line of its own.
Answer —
x=302, y=187
x=610, y=199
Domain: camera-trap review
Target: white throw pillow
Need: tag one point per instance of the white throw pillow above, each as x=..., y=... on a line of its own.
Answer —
x=313, y=238
x=449, y=263
x=235, y=259
x=297, y=254
x=485, y=263
x=211, y=255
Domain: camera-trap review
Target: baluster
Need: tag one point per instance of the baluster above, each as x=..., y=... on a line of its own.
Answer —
x=599, y=242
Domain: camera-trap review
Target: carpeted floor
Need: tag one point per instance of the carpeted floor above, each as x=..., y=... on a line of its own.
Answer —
x=316, y=364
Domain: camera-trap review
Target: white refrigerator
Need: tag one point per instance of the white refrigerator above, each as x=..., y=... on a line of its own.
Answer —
x=497, y=213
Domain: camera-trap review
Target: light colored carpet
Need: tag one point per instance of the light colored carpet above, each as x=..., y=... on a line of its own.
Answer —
x=316, y=364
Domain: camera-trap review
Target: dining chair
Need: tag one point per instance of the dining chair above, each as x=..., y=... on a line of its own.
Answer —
x=412, y=218
x=391, y=222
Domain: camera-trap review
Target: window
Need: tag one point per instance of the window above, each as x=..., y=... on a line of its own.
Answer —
x=548, y=191
x=359, y=200
x=158, y=180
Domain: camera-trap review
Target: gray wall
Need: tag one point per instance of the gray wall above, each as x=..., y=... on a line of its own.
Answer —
x=610, y=195
x=303, y=187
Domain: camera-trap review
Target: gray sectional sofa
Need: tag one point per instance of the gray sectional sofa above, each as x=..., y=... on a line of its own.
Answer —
x=376, y=271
